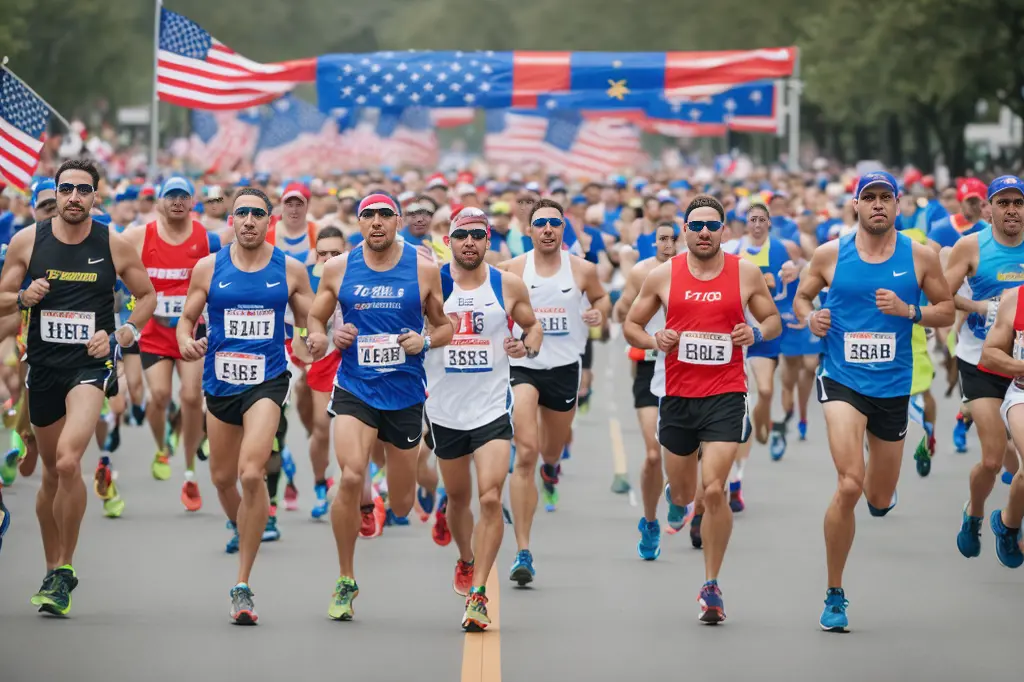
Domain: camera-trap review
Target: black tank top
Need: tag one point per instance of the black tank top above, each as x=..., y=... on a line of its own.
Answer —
x=80, y=301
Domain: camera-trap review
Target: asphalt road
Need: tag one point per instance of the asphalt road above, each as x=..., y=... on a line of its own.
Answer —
x=153, y=599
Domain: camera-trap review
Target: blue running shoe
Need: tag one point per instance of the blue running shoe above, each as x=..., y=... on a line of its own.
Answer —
x=138, y=415
x=712, y=608
x=426, y=499
x=287, y=463
x=1007, y=541
x=320, y=508
x=522, y=570
x=777, y=447
x=393, y=520
x=270, y=531
x=565, y=453
x=960, y=433
x=5, y=522
x=1007, y=477
x=676, y=514
x=801, y=427
x=649, y=547
x=232, y=545
x=833, y=618
x=968, y=540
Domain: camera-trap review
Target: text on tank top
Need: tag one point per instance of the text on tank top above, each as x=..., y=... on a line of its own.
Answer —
x=558, y=306
x=169, y=267
x=80, y=301
x=1000, y=268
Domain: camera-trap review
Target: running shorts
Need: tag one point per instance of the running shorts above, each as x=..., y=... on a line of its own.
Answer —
x=642, y=396
x=977, y=383
x=453, y=443
x=321, y=374
x=557, y=387
x=402, y=428
x=48, y=389
x=887, y=417
x=231, y=409
x=924, y=370
x=685, y=423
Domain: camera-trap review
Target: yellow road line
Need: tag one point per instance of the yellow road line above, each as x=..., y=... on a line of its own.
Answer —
x=481, y=651
x=618, y=447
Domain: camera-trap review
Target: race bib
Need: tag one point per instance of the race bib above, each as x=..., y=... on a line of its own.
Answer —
x=380, y=350
x=469, y=354
x=705, y=348
x=168, y=309
x=1018, y=354
x=249, y=323
x=66, y=326
x=867, y=347
x=243, y=369
x=554, y=321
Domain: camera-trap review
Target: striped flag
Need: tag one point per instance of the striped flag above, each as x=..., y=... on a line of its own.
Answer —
x=294, y=138
x=23, y=119
x=196, y=70
x=222, y=140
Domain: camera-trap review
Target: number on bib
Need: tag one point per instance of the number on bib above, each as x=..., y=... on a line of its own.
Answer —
x=867, y=347
x=66, y=326
x=380, y=350
x=468, y=354
x=244, y=369
x=249, y=323
x=705, y=348
x=169, y=306
x=554, y=321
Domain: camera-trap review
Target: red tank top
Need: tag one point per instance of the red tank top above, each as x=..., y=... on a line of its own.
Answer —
x=704, y=313
x=170, y=268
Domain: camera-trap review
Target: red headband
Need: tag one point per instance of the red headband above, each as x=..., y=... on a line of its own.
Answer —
x=377, y=201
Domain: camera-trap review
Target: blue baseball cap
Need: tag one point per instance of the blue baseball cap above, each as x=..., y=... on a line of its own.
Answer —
x=177, y=184
x=42, y=186
x=1003, y=183
x=876, y=178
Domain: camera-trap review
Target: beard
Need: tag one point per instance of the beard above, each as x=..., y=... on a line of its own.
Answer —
x=468, y=264
x=876, y=229
x=379, y=247
x=73, y=219
x=709, y=255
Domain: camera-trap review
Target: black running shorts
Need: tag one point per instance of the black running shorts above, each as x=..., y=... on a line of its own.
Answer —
x=685, y=423
x=642, y=396
x=557, y=387
x=231, y=408
x=977, y=383
x=887, y=417
x=453, y=443
x=48, y=389
x=402, y=428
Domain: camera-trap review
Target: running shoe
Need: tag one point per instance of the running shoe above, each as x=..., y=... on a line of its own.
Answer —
x=426, y=501
x=5, y=522
x=243, y=611
x=161, y=467
x=9, y=467
x=676, y=514
x=1008, y=550
x=287, y=463
x=649, y=547
x=291, y=498
x=440, y=532
x=1007, y=477
x=137, y=415
x=549, y=485
x=475, y=618
x=963, y=425
x=102, y=479
x=203, y=453
x=833, y=618
x=968, y=540
x=270, y=531
x=368, y=523
x=232, y=545
x=320, y=508
x=712, y=608
x=190, y=496
x=801, y=427
x=506, y=514
x=736, y=503
x=566, y=454
x=695, y=538
x=49, y=581
x=345, y=592
x=380, y=513
x=113, y=440
x=57, y=600
x=463, y=581
x=923, y=455
x=522, y=570
x=172, y=428
x=396, y=520
x=777, y=447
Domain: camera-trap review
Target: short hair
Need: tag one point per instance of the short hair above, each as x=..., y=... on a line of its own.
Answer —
x=546, y=203
x=253, y=192
x=421, y=198
x=329, y=232
x=82, y=165
x=705, y=201
x=762, y=206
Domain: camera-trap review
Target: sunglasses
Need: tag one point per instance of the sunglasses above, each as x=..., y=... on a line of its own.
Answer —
x=698, y=225
x=372, y=212
x=66, y=188
x=478, y=234
x=553, y=222
x=246, y=211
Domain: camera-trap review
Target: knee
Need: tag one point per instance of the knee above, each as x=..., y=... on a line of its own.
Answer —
x=652, y=458
x=490, y=502
x=190, y=399
x=765, y=394
x=850, y=489
x=251, y=477
x=223, y=479
x=679, y=497
x=321, y=427
x=352, y=480
x=991, y=462
x=458, y=498
x=714, y=495
x=159, y=398
x=69, y=465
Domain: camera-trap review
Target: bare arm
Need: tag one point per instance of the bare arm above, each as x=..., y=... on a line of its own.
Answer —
x=300, y=296
x=941, y=312
x=813, y=280
x=133, y=273
x=962, y=264
x=195, y=300
x=521, y=312
x=19, y=251
x=629, y=293
x=997, y=354
x=326, y=295
x=646, y=304
x=760, y=303
x=598, y=297
x=433, y=307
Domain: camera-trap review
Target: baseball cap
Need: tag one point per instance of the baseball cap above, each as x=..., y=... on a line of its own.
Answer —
x=873, y=178
x=148, y=191
x=296, y=190
x=464, y=189
x=40, y=187
x=1003, y=183
x=437, y=180
x=377, y=201
x=501, y=208
x=175, y=183
x=467, y=217
x=970, y=187
x=212, y=192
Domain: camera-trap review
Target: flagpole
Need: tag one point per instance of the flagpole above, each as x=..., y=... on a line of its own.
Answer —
x=154, y=117
x=3, y=65
x=793, y=107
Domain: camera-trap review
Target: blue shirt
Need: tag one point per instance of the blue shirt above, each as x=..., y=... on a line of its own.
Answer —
x=944, y=234
x=999, y=268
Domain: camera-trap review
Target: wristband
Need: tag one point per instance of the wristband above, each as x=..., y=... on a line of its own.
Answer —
x=301, y=332
x=134, y=329
x=918, y=314
x=426, y=343
x=758, y=336
x=21, y=306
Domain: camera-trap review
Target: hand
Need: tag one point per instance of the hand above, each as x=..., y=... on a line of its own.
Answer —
x=411, y=342
x=743, y=334
x=35, y=292
x=667, y=339
x=593, y=317
x=300, y=349
x=792, y=322
x=316, y=344
x=820, y=321
x=514, y=348
x=790, y=272
x=193, y=350
x=99, y=345
x=891, y=304
x=344, y=337
x=769, y=279
x=125, y=336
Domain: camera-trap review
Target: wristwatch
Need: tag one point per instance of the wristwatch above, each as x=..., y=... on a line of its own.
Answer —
x=135, y=331
x=426, y=343
x=911, y=311
x=21, y=305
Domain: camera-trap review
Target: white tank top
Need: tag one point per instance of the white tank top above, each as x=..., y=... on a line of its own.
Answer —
x=467, y=380
x=558, y=305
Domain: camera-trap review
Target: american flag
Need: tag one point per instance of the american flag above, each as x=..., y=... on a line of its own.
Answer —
x=295, y=138
x=196, y=70
x=23, y=119
x=222, y=140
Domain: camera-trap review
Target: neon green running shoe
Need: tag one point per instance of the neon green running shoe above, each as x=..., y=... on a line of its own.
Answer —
x=161, y=468
x=345, y=592
x=57, y=601
x=47, y=587
x=9, y=467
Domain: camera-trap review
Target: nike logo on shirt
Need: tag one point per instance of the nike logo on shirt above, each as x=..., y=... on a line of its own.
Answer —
x=269, y=285
x=94, y=261
x=221, y=285
x=898, y=274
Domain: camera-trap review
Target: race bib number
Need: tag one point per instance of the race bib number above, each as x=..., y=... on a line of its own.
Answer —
x=867, y=347
x=169, y=306
x=380, y=350
x=554, y=321
x=705, y=348
x=243, y=369
x=469, y=354
x=249, y=323
x=66, y=326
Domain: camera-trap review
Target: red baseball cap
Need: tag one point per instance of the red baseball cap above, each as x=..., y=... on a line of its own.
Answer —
x=296, y=190
x=970, y=187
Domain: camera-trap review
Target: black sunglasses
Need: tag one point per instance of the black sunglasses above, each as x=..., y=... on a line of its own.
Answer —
x=698, y=225
x=369, y=213
x=478, y=234
x=245, y=211
x=67, y=188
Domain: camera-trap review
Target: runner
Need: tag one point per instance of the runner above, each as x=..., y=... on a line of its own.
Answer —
x=645, y=402
x=545, y=387
x=74, y=264
x=170, y=247
x=991, y=262
x=866, y=377
x=385, y=290
x=703, y=415
x=245, y=372
x=468, y=403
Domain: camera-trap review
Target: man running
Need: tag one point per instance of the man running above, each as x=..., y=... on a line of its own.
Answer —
x=545, y=387
x=468, y=403
x=245, y=372
x=74, y=264
x=706, y=296
x=385, y=290
x=875, y=278
x=992, y=262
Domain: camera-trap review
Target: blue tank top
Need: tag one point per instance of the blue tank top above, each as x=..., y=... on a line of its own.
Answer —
x=645, y=246
x=770, y=258
x=382, y=306
x=245, y=325
x=865, y=349
x=999, y=268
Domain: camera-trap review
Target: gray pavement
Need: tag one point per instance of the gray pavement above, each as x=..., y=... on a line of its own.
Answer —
x=153, y=600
